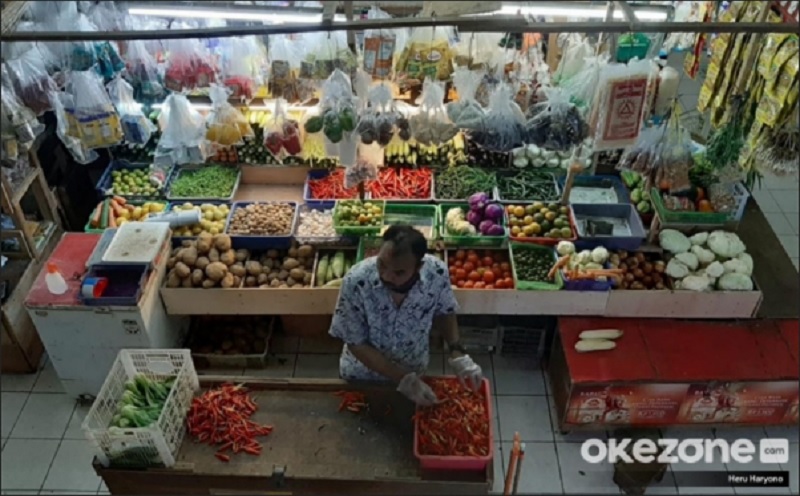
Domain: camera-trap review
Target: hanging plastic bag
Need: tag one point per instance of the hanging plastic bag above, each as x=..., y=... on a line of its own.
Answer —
x=282, y=135
x=382, y=46
x=430, y=125
x=466, y=112
x=227, y=126
x=377, y=123
x=95, y=118
x=66, y=130
x=556, y=124
x=189, y=66
x=427, y=55
x=622, y=103
x=582, y=87
x=142, y=73
x=675, y=158
x=504, y=127
x=285, y=57
x=573, y=56
x=339, y=116
x=328, y=52
x=361, y=172
x=644, y=156
x=18, y=125
x=136, y=127
x=32, y=83
x=183, y=134
x=242, y=59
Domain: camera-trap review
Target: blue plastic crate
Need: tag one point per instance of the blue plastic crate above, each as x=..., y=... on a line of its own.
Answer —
x=125, y=284
x=624, y=211
x=600, y=181
x=262, y=242
x=104, y=183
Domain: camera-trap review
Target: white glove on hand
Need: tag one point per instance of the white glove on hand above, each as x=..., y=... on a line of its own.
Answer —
x=417, y=391
x=468, y=372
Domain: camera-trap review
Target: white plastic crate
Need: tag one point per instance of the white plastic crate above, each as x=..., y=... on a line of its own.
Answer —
x=158, y=443
x=479, y=332
x=741, y=195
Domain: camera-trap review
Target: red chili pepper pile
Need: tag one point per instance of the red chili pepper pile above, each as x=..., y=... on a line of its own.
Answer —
x=220, y=417
x=401, y=183
x=458, y=426
x=351, y=401
x=331, y=187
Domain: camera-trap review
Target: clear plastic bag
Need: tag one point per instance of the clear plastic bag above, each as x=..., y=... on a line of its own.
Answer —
x=31, y=81
x=339, y=114
x=282, y=136
x=676, y=158
x=582, y=87
x=376, y=124
x=328, y=52
x=382, y=46
x=95, y=118
x=183, y=134
x=556, y=124
x=504, y=126
x=285, y=56
x=136, y=127
x=430, y=125
x=644, y=157
x=142, y=73
x=243, y=59
x=59, y=101
x=18, y=125
x=573, y=56
x=361, y=172
x=466, y=112
x=189, y=66
x=427, y=55
x=226, y=125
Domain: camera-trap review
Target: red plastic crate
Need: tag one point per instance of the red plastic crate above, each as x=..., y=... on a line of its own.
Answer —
x=459, y=463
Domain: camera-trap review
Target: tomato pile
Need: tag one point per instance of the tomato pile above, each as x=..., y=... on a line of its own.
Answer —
x=470, y=269
x=458, y=426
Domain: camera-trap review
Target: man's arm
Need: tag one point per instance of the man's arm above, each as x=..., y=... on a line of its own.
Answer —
x=449, y=326
x=376, y=361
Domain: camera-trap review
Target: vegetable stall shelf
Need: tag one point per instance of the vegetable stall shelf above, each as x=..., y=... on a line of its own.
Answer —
x=302, y=453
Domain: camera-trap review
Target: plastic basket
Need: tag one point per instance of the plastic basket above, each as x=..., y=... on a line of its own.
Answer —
x=543, y=240
x=397, y=213
x=89, y=229
x=523, y=336
x=320, y=174
x=696, y=218
x=104, y=183
x=586, y=284
x=261, y=242
x=357, y=230
x=546, y=177
x=619, y=211
x=218, y=361
x=600, y=181
x=478, y=332
x=158, y=443
x=534, y=285
x=467, y=241
x=317, y=240
x=458, y=463
x=177, y=171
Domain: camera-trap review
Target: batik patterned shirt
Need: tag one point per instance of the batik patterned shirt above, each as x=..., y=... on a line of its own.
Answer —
x=366, y=314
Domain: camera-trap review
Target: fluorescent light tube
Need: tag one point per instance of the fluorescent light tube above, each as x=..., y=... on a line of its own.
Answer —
x=579, y=12
x=232, y=15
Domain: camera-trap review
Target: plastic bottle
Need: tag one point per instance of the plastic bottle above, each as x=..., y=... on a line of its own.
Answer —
x=54, y=280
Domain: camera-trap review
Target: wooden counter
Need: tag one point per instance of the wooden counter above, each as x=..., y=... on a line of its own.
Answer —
x=314, y=448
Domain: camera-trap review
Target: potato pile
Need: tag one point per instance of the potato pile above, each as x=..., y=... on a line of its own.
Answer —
x=207, y=262
x=291, y=268
x=262, y=219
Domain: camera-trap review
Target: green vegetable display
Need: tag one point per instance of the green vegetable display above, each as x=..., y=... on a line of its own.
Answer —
x=206, y=182
x=333, y=267
x=142, y=402
x=527, y=185
x=356, y=213
x=533, y=265
x=461, y=182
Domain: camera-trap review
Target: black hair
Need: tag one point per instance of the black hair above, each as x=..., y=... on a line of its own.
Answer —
x=405, y=239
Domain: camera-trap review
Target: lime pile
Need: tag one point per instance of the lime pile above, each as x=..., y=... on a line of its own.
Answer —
x=130, y=182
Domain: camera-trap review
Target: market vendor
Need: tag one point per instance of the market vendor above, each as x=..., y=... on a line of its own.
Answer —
x=386, y=308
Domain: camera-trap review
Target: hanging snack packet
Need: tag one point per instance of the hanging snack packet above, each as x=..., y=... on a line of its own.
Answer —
x=427, y=55
x=380, y=46
x=227, y=126
x=504, y=126
x=142, y=73
x=466, y=112
x=430, y=126
x=189, y=66
x=622, y=104
x=31, y=82
x=93, y=116
x=136, y=128
x=243, y=59
x=556, y=124
x=183, y=134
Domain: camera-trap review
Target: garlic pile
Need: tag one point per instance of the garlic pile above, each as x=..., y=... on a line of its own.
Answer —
x=535, y=156
x=316, y=224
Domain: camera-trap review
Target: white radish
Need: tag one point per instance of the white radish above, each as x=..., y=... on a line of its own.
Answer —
x=601, y=334
x=587, y=345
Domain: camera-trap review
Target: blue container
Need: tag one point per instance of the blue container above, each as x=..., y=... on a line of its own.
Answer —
x=319, y=174
x=585, y=284
x=600, y=181
x=104, y=184
x=125, y=284
x=262, y=242
x=623, y=211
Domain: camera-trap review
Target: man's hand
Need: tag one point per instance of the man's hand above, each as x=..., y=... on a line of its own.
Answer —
x=468, y=372
x=417, y=391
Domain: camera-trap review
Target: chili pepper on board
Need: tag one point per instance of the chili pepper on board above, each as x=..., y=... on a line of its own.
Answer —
x=221, y=417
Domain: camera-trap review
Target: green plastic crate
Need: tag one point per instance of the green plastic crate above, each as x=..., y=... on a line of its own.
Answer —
x=89, y=229
x=672, y=217
x=404, y=213
x=467, y=241
x=534, y=285
x=357, y=230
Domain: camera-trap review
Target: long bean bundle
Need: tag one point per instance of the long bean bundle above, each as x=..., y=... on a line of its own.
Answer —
x=460, y=182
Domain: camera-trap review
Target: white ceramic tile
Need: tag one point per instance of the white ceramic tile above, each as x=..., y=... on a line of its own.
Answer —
x=26, y=462
x=683, y=477
x=796, y=262
x=72, y=468
x=790, y=432
x=793, y=467
x=787, y=200
x=571, y=436
x=779, y=223
x=321, y=344
x=498, y=483
x=581, y=477
x=732, y=433
x=790, y=244
x=765, y=201
x=317, y=366
x=15, y=493
x=20, y=383
x=774, y=182
x=45, y=416
x=74, y=430
x=540, y=472
x=794, y=222
x=518, y=375
x=277, y=366
x=12, y=404
x=48, y=381
x=528, y=415
x=756, y=466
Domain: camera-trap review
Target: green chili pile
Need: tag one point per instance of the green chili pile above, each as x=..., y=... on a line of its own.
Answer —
x=461, y=182
x=527, y=185
x=206, y=182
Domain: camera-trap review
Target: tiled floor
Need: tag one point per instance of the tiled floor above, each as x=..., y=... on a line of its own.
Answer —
x=44, y=451
x=779, y=199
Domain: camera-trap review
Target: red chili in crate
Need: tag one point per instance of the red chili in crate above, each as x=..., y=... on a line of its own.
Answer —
x=458, y=426
x=352, y=401
x=401, y=184
x=331, y=187
x=221, y=418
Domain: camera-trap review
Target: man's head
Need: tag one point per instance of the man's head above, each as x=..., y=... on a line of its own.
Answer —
x=400, y=258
